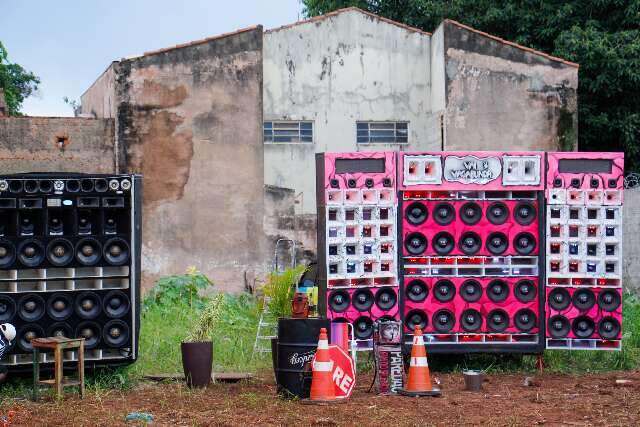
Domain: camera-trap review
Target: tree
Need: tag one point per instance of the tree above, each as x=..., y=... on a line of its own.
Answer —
x=603, y=36
x=16, y=82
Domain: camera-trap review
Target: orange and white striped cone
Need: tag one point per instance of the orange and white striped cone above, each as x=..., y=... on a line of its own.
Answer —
x=322, y=389
x=419, y=379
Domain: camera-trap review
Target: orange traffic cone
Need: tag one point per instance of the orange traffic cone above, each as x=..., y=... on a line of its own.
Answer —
x=419, y=380
x=322, y=390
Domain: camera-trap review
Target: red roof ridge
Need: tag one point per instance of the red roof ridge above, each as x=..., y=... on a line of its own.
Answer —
x=518, y=46
x=349, y=9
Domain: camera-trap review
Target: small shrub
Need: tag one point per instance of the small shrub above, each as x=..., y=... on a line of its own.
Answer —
x=186, y=288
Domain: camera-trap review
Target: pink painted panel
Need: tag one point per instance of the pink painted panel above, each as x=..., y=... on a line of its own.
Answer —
x=386, y=179
x=373, y=311
x=613, y=180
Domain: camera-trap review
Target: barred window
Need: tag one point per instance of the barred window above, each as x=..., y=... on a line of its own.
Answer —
x=382, y=132
x=288, y=131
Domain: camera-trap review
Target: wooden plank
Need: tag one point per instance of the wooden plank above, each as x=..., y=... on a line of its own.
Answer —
x=52, y=382
x=216, y=376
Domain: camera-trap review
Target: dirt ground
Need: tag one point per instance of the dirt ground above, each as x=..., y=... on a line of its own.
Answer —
x=553, y=400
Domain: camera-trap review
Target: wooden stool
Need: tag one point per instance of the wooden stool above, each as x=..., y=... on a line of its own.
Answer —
x=58, y=345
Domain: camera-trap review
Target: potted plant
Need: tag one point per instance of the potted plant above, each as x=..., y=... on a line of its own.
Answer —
x=197, y=348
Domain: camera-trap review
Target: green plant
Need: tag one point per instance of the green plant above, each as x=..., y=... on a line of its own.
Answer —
x=279, y=290
x=16, y=82
x=206, y=322
x=179, y=288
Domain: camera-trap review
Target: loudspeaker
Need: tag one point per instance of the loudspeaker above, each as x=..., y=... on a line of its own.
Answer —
x=70, y=263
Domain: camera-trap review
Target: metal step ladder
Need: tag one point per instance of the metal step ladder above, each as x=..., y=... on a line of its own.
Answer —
x=266, y=330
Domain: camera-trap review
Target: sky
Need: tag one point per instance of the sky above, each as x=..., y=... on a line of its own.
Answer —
x=69, y=43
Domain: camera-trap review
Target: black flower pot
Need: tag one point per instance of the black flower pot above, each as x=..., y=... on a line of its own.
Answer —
x=197, y=360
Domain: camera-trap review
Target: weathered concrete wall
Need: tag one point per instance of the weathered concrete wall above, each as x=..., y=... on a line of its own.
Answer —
x=99, y=100
x=631, y=242
x=190, y=120
x=335, y=71
x=500, y=96
x=32, y=144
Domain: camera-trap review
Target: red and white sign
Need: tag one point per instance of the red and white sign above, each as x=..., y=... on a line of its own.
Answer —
x=343, y=372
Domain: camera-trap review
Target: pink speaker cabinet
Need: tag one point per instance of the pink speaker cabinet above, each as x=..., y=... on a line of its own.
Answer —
x=584, y=250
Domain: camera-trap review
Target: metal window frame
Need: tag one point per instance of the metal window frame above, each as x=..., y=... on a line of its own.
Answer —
x=287, y=132
x=365, y=130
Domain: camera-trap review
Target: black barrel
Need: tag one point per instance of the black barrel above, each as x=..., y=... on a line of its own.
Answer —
x=296, y=344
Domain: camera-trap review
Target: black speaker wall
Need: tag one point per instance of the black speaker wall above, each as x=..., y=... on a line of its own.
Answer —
x=525, y=290
x=416, y=243
x=7, y=308
x=608, y=328
x=443, y=243
x=386, y=299
x=525, y=319
x=470, y=213
x=26, y=334
x=609, y=300
x=471, y=290
x=88, y=251
x=415, y=318
x=416, y=213
x=443, y=321
x=363, y=328
x=417, y=290
x=88, y=305
x=524, y=243
x=115, y=333
x=583, y=326
x=116, y=251
x=471, y=320
x=362, y=299
x=60, y=252
x=444, y=290
x=558, y=326
x=583, y=299
x=91, y=332
x=524, y=213
x=444, y=213
x=30, y=253
x=497, y=290
x=60, y=329
x=338, y=301
x=497, y=213
x=470, y=243
x=7, y=253
x=497, y=243
x=59, y=306
x=497, y=320
x=559, y=299
x=31, y=307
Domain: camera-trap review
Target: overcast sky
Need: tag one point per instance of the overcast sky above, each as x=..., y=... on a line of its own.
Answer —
x=69, y=43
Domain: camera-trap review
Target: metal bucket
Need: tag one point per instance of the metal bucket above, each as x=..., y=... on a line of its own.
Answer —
x=473, y=380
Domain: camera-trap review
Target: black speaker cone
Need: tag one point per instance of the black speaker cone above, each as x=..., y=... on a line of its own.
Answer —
x=31, y=186
x=45, y=185
x=558, y=326
x=15, y=186
x=7, y=253
x=363, y=328
x=416, y=318
x=362, y=299
x=59, y=306
x=60, y=330
x=28, y=333
x=416, y=243
x=91, y=332
x=31, y=307
x=444, y=213
x=497, y=320
x=524, y=213
x=30, y=253
x=116, y=251
x=609, y=300
x=443, y=321
x=583, y=299
x=497, y=243
x=86, y=184
x=338, y=301
x=525, y=290
x=60, y=252
x=470, y=213
x=583, y=326
x=525, y=243
x=443, y=243
x=471, y=320
x=471, y=290
x=115, y=333
x=7, y=308
x=417, y=290
x=386, y=299
x=525, y=320
x=559, y=299
x=88, y=251
x=101, y=185
x=73, y=185
x=416, y=213
x=444, y=290
x=470, y=243
x=498, y=290
x=497, y=213
x=88, y=305
x=609, y=328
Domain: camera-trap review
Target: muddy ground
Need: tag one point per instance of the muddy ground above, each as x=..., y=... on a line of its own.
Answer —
x=553, y=400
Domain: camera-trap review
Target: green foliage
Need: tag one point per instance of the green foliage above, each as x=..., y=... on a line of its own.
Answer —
x=280, y=288
x=16, y=82
x=185, y=288
x=203, y=327
x=603, y=36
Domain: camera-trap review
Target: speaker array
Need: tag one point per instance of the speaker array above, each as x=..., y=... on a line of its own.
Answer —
x=68, y=263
